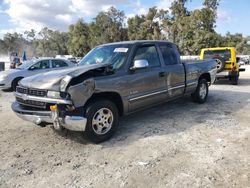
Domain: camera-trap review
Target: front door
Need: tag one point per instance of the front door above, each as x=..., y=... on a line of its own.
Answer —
x=147, y=85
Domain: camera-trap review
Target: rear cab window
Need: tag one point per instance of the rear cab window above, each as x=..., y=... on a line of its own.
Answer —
x=170, y=54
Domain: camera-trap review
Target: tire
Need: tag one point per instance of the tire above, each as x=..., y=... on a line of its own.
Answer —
x=235, y=80
x=220, y=64
x=102, y=120
x=14, y=83
x=201, y=92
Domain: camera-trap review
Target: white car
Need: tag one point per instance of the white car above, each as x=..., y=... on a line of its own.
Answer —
x=9, y=79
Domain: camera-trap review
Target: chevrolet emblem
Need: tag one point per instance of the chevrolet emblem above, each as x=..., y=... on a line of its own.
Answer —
x=25, y=97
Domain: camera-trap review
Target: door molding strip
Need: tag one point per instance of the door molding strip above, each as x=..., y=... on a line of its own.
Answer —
x=155, y=93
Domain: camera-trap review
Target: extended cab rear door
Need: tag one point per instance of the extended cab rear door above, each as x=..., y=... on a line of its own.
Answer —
x=173, y=69
x=147, y=85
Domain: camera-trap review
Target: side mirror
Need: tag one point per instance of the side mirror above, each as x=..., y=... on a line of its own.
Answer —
x=32, y=68
x=139, y=64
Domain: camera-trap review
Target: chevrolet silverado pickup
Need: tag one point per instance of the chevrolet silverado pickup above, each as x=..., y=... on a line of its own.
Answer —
x=110, y=81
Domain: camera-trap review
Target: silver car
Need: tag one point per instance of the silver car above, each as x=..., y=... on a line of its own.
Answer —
x=9, y=79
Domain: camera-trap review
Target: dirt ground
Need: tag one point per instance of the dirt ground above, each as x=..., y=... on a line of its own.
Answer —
x=177, y=144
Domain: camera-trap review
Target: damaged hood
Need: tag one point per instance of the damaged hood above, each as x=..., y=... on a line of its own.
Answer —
x=51, y=80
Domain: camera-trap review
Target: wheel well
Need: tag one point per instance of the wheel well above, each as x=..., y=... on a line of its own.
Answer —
x=205, y=76
x=111, y=96
x=16, y=79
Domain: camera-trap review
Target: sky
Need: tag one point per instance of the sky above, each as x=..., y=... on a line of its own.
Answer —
x=21, y=15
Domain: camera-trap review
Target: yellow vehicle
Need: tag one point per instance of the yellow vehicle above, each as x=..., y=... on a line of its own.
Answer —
x=227, y=66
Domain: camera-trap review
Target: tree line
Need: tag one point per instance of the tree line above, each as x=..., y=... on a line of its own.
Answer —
x=190, y=30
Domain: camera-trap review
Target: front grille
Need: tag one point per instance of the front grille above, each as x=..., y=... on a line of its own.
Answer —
x=21, y=90
x=37, y=104
x=33, y=92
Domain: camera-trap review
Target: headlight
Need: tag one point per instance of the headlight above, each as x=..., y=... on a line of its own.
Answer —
x=2, y=77
x=54, y=94
x=65, y=81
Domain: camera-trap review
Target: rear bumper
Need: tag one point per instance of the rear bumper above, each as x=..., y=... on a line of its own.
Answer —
x=222, y=75
x=225, y=74
x=242, y=69
x=75, y=123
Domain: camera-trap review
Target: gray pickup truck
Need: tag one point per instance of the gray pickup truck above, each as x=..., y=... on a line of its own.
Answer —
x=111, y=80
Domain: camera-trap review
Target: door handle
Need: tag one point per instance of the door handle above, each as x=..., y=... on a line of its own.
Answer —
x=161, y=74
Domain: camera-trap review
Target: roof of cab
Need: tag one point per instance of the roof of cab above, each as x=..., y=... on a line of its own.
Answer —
x=137, y=41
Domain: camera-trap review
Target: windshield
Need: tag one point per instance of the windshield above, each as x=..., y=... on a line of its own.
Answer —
x=225, y=54
x=26, y=65
x=114, y=54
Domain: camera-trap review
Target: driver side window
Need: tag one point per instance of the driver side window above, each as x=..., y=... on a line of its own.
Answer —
x=148, y=53
x=44, y=64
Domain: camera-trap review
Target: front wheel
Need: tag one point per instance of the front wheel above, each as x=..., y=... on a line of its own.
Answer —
x=201, y=92
x=102, y=120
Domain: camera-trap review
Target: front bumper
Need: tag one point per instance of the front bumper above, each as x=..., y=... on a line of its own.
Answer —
x=74, y=123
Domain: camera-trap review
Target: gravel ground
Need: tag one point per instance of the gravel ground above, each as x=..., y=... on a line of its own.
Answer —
x=177, y=144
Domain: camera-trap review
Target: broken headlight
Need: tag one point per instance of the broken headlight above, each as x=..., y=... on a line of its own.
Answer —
x=64, y=82
x=54, y=94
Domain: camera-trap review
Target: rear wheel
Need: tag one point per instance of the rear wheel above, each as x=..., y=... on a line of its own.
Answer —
x=102, y=120
x=201, y=92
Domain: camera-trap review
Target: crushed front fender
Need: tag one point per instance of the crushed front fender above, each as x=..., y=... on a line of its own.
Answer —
x=81, y=92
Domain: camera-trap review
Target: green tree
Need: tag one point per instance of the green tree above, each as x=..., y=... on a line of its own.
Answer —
x=44, y=43
x=237, y=41
x=31, y=42
x=30, y=35
x=147, y=26
x=78, y=42
x=108, y=27
x=192, y=30
x=2, y=47
x=13, y=42
x=59, y=42
x=51, y=43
